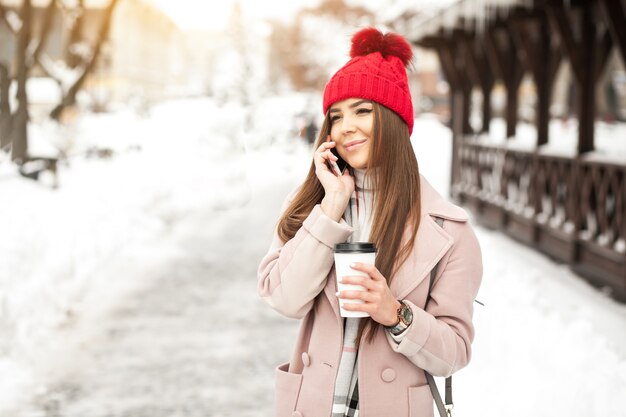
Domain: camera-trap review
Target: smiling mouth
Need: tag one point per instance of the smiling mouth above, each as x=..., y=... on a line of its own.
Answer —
x=354, y=144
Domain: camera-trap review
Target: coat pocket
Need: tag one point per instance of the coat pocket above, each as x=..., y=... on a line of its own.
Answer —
x=421, y=402
x=287, y=391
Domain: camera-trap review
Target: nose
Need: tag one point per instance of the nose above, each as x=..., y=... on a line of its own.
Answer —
x=347, y=124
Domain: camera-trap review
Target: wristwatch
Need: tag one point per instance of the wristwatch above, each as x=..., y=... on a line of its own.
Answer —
x=405, y=318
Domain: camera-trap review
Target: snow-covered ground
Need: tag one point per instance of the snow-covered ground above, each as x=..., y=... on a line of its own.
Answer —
x=121, y=292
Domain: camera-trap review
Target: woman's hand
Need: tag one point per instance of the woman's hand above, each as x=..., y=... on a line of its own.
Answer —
x=337, y=189
x=378, y=300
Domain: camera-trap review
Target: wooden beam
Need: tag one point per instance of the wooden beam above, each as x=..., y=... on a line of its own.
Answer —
x=539, y=58
x=603, y=51
x=562, y=25
x=445, y=52
x=428, y=42
x=525, y=44
x=493, y=55
x=583, y=54
x=615, y=15
x=451, y=52
x=464, y=60
x=478, y=60
x=510, y=72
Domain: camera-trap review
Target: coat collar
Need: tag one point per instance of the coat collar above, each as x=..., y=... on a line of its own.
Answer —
x=431, y=243
x=437, y=206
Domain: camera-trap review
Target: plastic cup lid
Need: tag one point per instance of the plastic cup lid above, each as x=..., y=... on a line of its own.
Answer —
x=355, y=247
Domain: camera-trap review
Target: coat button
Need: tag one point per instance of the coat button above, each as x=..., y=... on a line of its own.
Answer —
x=306, y=359
x=388, y=375
x=296, y=414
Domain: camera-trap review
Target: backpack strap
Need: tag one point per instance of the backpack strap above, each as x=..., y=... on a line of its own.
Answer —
x=445, y=410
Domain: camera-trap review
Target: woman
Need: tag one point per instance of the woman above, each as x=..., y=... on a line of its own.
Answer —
x=372, y=367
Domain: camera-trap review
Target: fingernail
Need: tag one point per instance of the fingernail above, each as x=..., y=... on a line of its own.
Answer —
x=353, y=265
x=337, y=294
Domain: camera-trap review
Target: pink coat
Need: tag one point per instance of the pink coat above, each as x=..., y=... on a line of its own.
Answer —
x=298, y=280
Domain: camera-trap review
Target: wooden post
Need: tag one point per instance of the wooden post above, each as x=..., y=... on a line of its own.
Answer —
x=481, y=72
x=456, y=105
x=452, y=60
x=530, y=33
x=459, y=95
x=587, y=56
x=459, y=104
x=487, y=75
x=544, y=81
x=503, y=56
x=587, y=96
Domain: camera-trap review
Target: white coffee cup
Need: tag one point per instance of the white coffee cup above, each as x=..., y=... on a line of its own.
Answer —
x=345, y=254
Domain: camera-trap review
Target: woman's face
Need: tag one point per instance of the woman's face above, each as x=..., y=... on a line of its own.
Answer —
x=351, y=126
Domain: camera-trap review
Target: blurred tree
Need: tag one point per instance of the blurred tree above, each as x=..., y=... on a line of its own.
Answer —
x=297, y=47
x=241, y=46
x=86, y=59
x=73, y=56
x=19, y=123
x=5, y=108
x=29, y=54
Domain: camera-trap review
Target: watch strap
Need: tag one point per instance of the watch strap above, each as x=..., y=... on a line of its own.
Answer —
x=400, y=327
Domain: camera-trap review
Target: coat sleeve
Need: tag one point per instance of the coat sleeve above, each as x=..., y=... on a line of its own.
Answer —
x=292, y=274
x=439, y=339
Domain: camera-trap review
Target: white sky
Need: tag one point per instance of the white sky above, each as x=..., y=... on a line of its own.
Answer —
x=213, y=14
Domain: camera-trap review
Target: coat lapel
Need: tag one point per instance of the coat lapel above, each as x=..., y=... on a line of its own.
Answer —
x=431, y=244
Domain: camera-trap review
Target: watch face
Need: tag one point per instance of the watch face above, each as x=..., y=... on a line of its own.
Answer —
x=406, y=315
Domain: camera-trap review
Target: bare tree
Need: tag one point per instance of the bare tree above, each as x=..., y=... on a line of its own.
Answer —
x=30, y=52
x=69, y=97
x=19, y=126
x=5, y=108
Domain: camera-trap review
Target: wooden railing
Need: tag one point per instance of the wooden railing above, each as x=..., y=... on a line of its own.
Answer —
x=572, y=209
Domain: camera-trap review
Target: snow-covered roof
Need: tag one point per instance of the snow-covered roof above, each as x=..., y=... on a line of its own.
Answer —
x=446, y=15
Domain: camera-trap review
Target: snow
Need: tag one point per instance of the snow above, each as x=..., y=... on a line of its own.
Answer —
x=610, y=145
x=186, y=186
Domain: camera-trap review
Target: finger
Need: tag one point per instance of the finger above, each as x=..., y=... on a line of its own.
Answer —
x=371, y=270
x=357, y=307
x=357, y=295
x=325, y=145
x=366, y=282
x=321, y=155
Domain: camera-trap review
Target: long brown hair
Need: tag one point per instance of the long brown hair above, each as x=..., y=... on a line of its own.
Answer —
x=396, y=196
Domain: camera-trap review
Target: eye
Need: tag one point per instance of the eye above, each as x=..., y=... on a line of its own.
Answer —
x=363, y=110
x=333, y=119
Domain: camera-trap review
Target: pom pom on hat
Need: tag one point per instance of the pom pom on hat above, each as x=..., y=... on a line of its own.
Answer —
x=370, y=40
x=377, y=72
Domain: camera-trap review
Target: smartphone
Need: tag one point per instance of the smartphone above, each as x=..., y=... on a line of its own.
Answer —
x=338, y=166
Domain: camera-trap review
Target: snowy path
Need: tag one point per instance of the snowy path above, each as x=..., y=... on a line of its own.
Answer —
x=175, y=347
x=171, y=324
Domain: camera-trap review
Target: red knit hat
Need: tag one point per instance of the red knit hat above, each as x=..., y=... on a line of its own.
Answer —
x=377, y=72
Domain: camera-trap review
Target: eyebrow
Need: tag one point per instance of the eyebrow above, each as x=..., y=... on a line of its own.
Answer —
x=353, y=105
